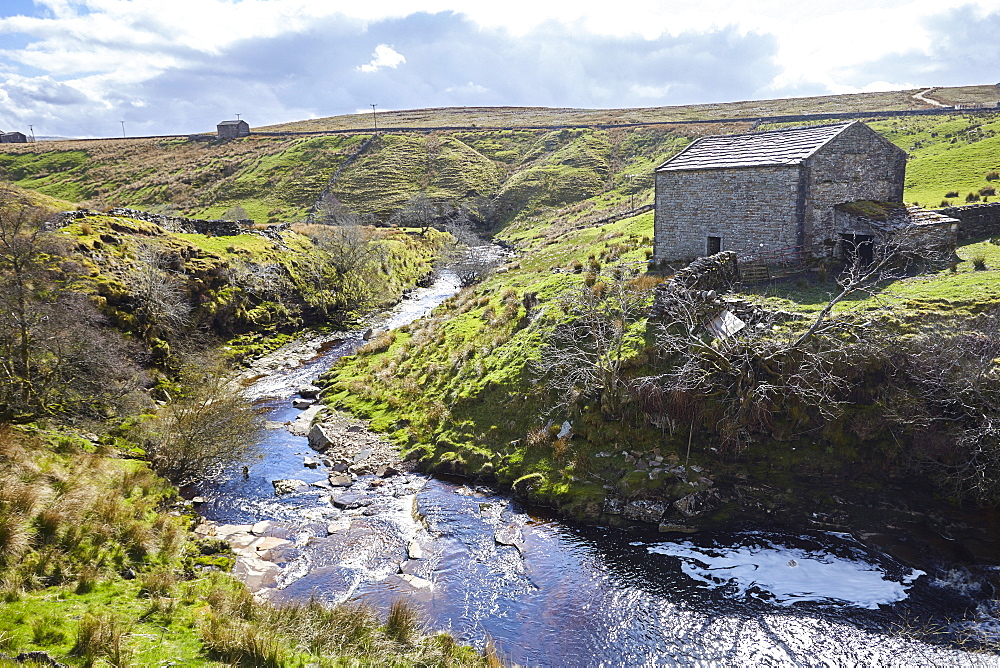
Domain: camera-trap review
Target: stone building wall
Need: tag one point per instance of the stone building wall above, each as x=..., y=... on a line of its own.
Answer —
x=764, y=209
x=233, y=130
x=855, y=165
x=747, y=208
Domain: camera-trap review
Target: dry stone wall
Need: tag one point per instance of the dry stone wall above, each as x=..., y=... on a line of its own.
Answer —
x=211, y=228
x=976, y=220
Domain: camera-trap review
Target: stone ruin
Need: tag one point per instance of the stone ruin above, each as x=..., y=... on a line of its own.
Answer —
x=211, y=228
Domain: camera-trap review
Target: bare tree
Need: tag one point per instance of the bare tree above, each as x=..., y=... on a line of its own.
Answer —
x=945, y=398
x=262, y=281
x=158, y=289
x=331, y=211
x=419, y=211
x=23, y=276
x=56, y=355
x=236, y=212
x=208, y=427
x=344, y=271
x=748, y=376
x=469, y=256
x=587, y=353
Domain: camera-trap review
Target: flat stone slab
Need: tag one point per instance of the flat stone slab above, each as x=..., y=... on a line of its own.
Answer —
x=415, y=581
x=262, y=527
x=510, y=535
x=225, y=530
x=256, y=573
x=351, y=501
x=287, y=486
x=414, y=551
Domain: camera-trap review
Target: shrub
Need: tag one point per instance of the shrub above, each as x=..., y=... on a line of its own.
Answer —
x=951, y=193
x=972, y=197
x=537, y=437
x=988, y=191
x=993, y=176
x=209, y=427
x=945, y=203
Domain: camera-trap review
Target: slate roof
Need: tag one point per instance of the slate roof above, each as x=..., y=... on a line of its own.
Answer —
x=232, y=122
x=776, y=147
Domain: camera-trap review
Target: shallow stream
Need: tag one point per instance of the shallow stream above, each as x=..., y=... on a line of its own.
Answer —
x=550, y=593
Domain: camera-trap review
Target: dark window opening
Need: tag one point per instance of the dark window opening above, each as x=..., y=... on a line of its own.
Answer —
x=858, y=248
x=714, y=245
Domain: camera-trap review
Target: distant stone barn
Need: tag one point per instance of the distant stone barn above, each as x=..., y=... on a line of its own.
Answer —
x=233, y=129
x=13, y=138
x=772, y=193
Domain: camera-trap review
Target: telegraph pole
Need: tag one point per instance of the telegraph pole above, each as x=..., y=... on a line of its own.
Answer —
x=374, y=119
x=32, y=128
x=123, y=128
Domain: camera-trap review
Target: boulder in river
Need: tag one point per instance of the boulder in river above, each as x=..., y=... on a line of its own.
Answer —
x=510, y=535
x=318, y=439
x=351, y=501
x=309, y=392
x=287, y=486
x=301, y=403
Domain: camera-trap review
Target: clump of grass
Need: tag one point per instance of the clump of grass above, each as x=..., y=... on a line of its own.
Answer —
x=14, y=537
x=46, y=629
x=402, y=624
x=87, y=579
x=241, y=643
x=993, y=176
x=988, y=191
x=157, y=583
x=951, y=194
x=972, y=197
x=979, y=262
x=102, y=635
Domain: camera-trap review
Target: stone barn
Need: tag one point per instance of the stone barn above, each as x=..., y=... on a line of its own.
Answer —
x=13, y=138
x=770, y=194
x=233, y=129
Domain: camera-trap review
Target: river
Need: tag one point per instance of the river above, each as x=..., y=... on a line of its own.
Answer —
x=550, y=593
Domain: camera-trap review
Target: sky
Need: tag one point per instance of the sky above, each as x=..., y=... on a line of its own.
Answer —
x=78, y=68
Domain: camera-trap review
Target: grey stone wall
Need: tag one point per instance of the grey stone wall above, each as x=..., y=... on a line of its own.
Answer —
x=855, y=165
x=976, y=220
x=211, y=228
x=749, y=208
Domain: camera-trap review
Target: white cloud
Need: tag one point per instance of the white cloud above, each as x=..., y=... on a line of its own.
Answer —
x=384, y=56
x=470, y=88
x=79, y=63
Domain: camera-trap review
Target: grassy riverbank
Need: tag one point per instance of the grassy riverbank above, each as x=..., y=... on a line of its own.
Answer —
x=98, y=564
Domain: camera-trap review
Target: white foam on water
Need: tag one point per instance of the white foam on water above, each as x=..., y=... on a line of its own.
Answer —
x=784, y=575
